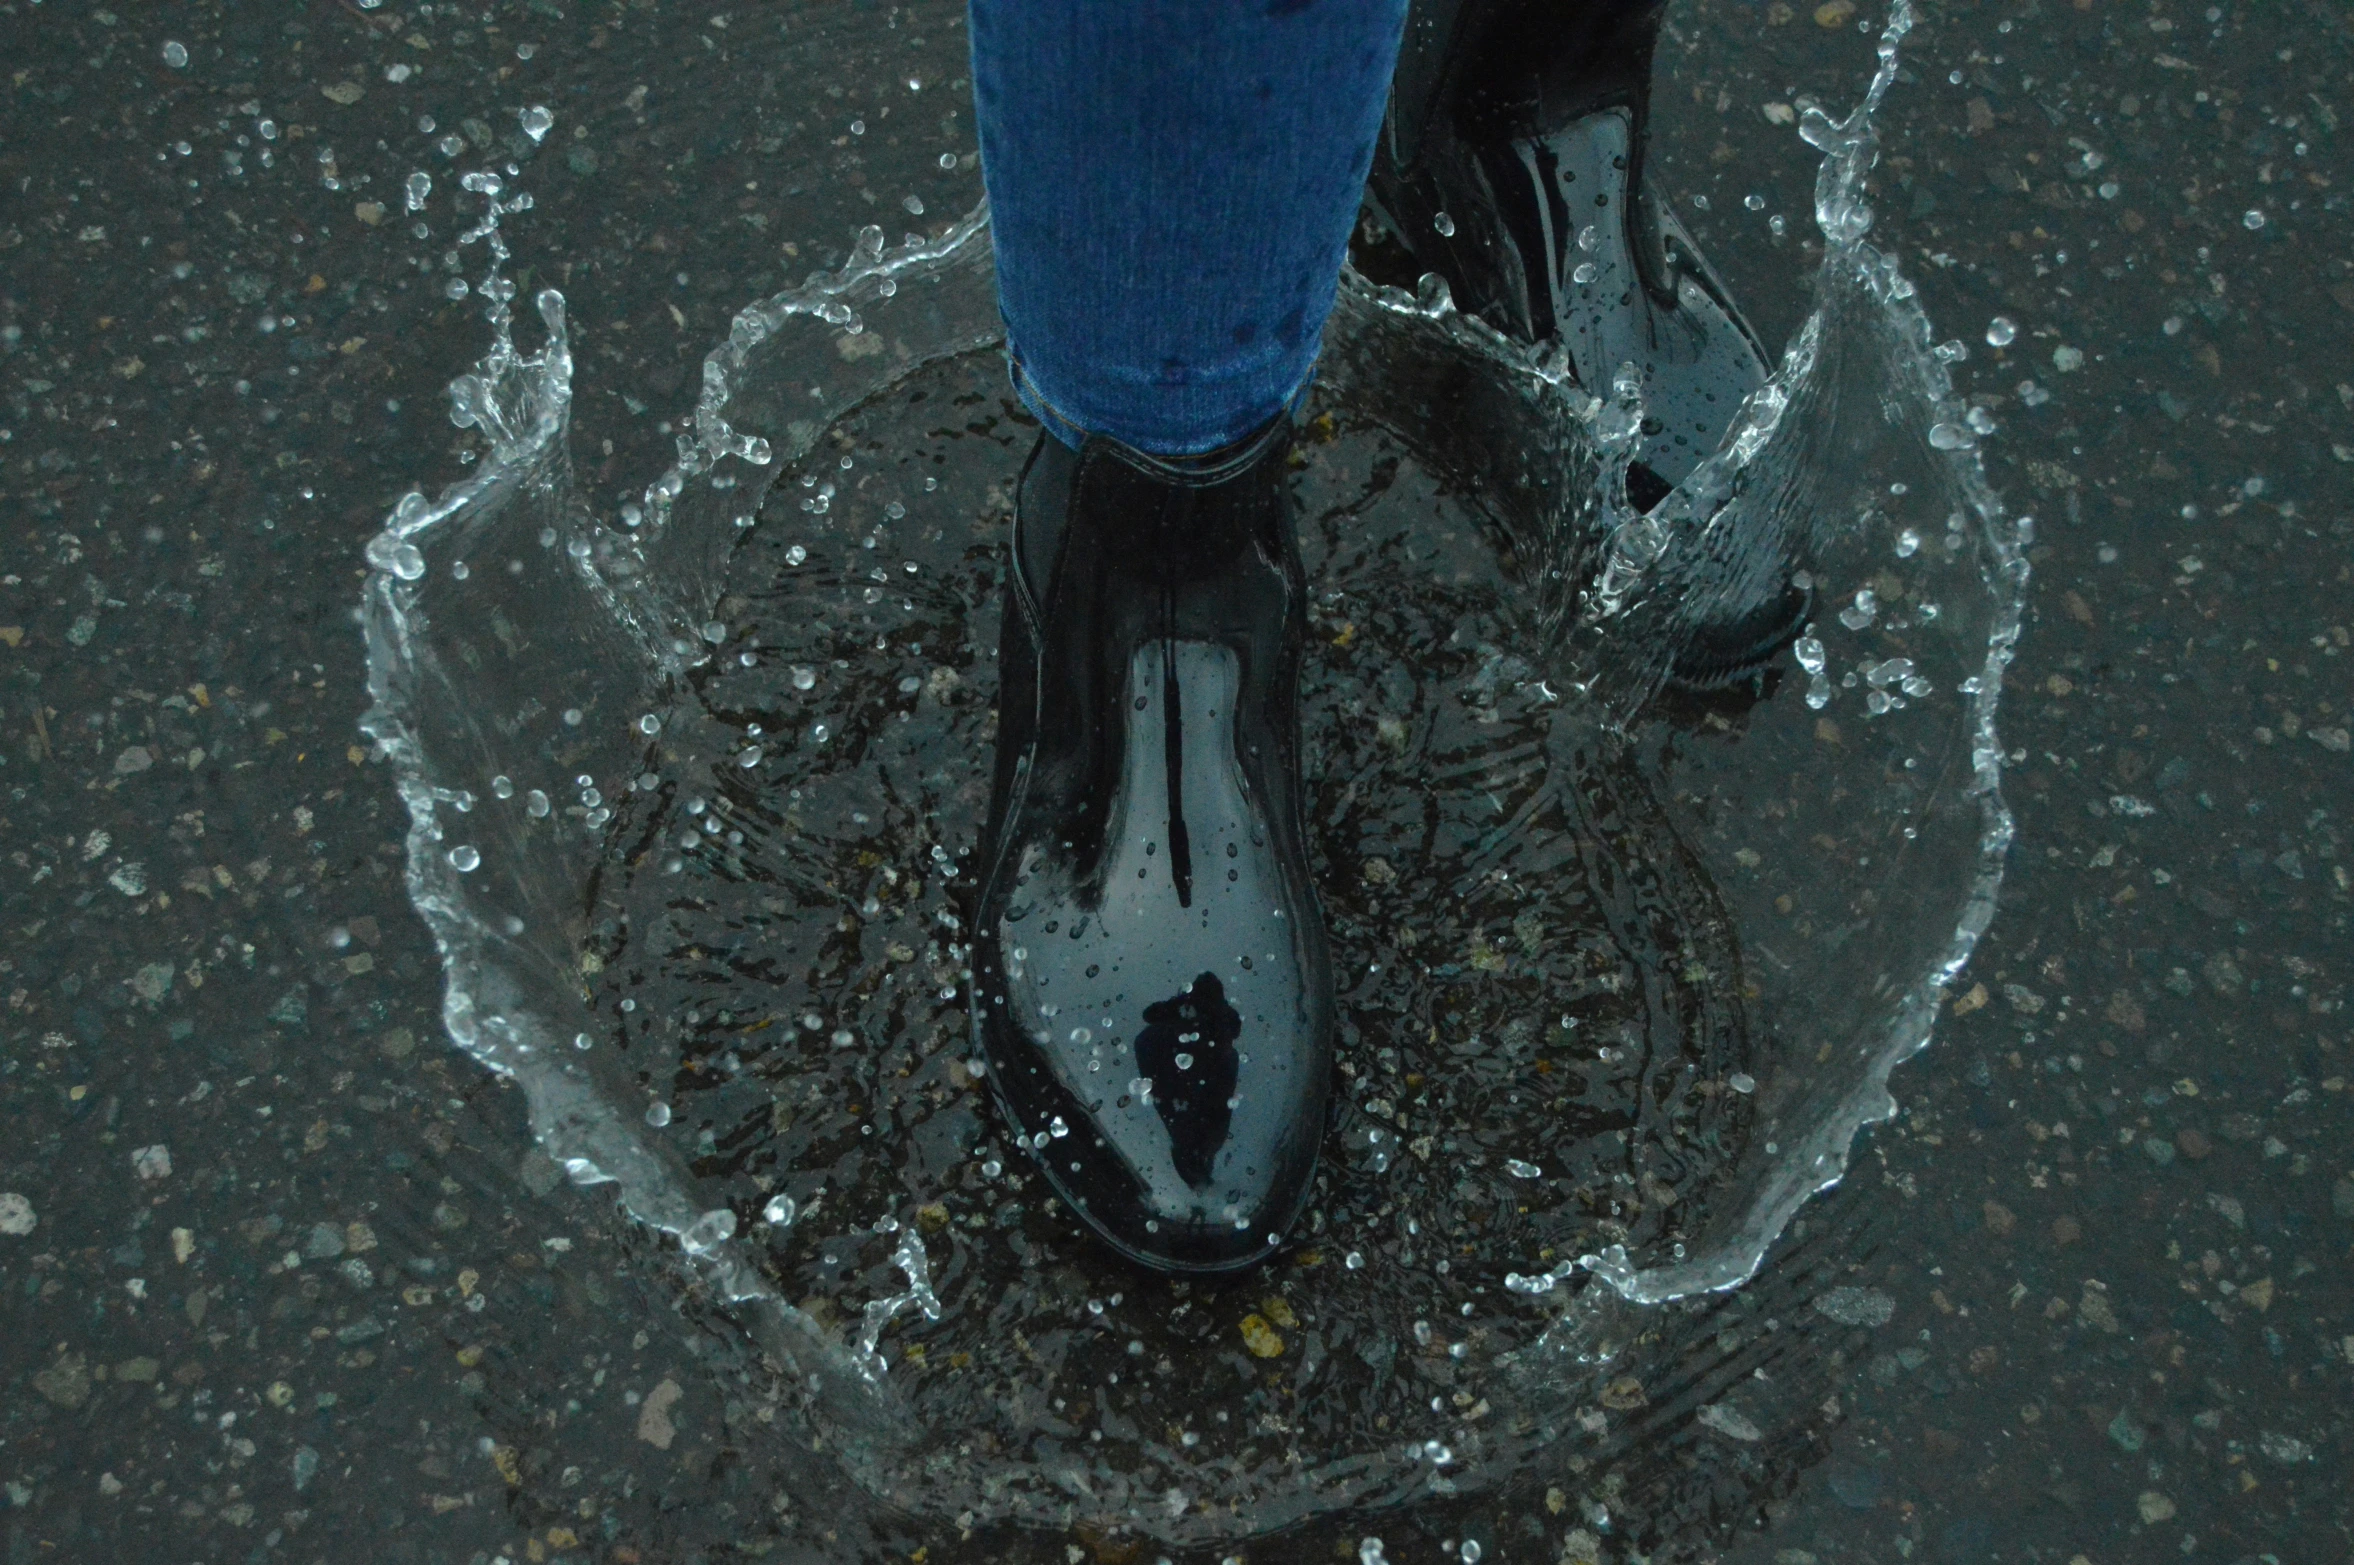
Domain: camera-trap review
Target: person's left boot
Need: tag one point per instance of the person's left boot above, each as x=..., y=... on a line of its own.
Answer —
x=1151, y=987
x=1514, y=163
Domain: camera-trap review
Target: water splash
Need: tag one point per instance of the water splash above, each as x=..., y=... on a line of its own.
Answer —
x=909, y=1257
x=482, y=672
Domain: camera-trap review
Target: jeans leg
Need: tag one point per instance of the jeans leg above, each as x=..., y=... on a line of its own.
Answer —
x=1172, y=184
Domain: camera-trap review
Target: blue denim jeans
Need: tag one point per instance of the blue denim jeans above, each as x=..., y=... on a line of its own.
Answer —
x=1172, y=184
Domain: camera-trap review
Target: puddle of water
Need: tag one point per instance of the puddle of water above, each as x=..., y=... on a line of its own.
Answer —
x=693, y=790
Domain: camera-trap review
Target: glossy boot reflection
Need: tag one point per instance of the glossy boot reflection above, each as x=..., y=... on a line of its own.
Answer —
x=1515, y=165
x=1152, y=990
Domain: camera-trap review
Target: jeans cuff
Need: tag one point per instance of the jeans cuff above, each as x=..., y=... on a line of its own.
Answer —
x=1213, y=454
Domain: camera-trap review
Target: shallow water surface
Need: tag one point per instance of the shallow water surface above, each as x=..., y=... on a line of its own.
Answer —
x=800, y=996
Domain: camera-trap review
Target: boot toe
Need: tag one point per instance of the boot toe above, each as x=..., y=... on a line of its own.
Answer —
x=1178, y=1116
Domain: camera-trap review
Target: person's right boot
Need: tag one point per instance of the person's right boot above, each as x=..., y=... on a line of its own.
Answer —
x=1513, y=165
x=1151, y=987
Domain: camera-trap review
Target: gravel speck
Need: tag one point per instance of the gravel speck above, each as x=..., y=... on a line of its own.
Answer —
x=1857, y=1306
x=66, y=1382
x=1726, y=1421
x=654, y=1425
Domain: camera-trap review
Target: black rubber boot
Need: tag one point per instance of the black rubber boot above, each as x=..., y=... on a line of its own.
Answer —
x=1512, y=164
x=1151, y=985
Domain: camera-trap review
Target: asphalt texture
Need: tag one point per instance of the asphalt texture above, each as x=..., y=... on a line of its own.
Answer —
x=281, y=1275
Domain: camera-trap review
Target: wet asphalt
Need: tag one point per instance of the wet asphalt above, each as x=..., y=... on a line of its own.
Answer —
x=286, y=1279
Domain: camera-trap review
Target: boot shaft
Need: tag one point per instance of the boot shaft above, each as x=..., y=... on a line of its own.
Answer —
x=1504, y=69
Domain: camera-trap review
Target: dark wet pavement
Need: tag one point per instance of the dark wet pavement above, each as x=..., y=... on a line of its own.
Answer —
x=295, y=1285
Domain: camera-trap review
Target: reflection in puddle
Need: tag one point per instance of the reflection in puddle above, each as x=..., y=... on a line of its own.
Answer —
x=1621, y=973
